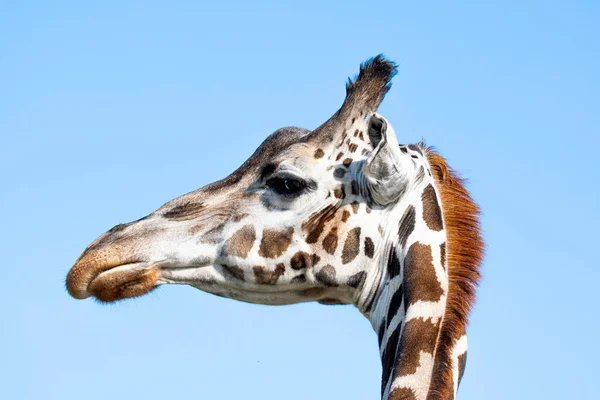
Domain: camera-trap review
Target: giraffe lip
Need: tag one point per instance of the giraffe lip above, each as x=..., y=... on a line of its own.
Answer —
x=123, y=281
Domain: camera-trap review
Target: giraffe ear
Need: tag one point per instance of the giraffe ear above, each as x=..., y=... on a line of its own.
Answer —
x=386, y=179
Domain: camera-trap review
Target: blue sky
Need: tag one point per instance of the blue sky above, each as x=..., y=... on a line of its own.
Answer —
x=109, y=109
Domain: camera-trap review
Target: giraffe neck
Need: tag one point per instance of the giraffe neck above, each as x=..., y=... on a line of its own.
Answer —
x=409, y=307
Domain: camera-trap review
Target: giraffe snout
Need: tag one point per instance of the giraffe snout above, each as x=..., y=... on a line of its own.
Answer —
x=111, y=268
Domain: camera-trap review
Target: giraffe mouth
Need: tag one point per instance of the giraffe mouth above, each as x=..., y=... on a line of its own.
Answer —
x=124, y=281
x=114, y=283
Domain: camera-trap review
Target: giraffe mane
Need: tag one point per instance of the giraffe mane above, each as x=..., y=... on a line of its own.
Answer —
x=464, y=254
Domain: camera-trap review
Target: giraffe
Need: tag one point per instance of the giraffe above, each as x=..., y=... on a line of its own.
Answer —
x=339, y=215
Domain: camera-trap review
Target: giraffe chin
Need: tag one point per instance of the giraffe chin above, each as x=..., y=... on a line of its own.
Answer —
x=118, y=284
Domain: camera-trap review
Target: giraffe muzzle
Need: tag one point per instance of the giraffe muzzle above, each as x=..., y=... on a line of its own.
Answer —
x=111, y=269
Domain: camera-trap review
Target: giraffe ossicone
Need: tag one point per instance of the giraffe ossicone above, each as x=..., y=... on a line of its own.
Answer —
x=342, y=214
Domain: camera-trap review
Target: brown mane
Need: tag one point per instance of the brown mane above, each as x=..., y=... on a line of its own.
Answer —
x=464, y=255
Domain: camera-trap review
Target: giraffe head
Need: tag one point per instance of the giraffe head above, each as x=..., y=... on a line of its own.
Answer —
x=301, y=220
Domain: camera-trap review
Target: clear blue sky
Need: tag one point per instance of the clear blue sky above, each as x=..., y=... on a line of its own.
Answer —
x=109, y=109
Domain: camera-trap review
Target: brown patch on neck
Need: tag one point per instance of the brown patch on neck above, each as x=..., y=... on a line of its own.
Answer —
x=464, y=254
x=402, y=393
x=420, y=280
x=432, y=214
x=419, y=335
x=275, y=242
x=240, y=243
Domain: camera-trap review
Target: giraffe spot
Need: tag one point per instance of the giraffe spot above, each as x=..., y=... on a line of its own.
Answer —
x=314, y=226
x=355, y=206
x=326, y=276
x=345, y=215
x=351, y=246
x=462, y=363
x=184, y=212
x=303, y=260
x=395, y=304
x=388, y=359
x=361, y=136
x=419, y=335
x=416, y=148
x=339, y=192
x=240, y=243
x=369, y=247
x=421, y=281
x=340, y=155
x=265, y=276
x=443, y=255
x=319, y=153
x=402, y=393
x=414, y=156
x=299, y=279
x=393, y=264
x=432, y=214
x=331, y=240
x=407, y=225
x=353, y=119
x=357, y=280
x=275, y=242
x=352, y=148
x=356, y=133
x=347, y=162
x=403, y=149
x=234, y=271
x=339, y=172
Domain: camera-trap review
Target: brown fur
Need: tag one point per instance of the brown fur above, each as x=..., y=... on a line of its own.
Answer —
x=314, y=226
x=402, y=394
x=420, y=280
x=331, y=241
x=275, y=242
x=351, y=246
x=240, y=243
x=464, y=249
x=264, y=276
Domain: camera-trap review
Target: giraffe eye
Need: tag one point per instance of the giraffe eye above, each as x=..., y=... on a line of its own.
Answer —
x=285, y=186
